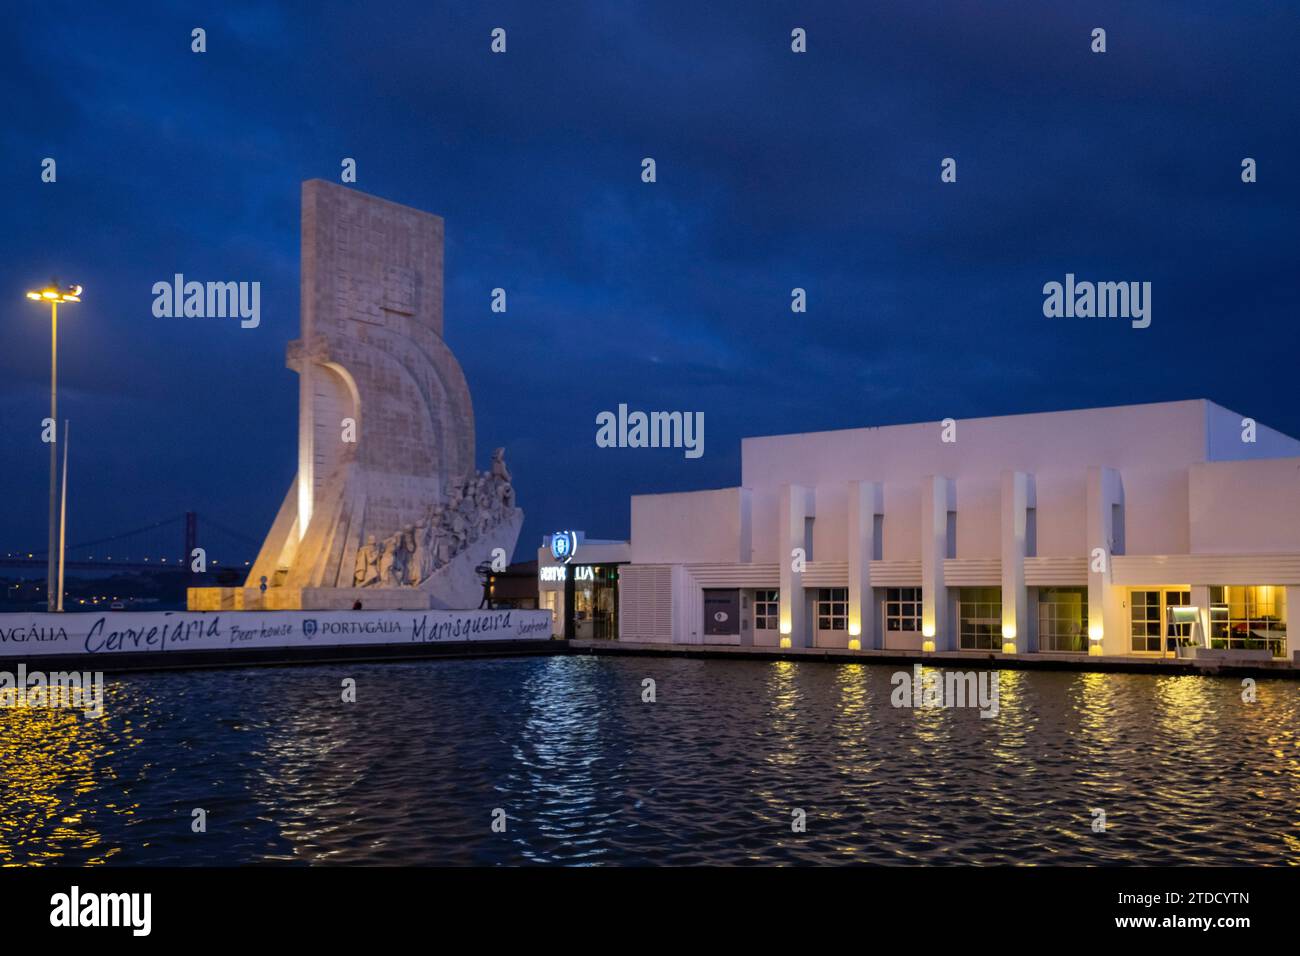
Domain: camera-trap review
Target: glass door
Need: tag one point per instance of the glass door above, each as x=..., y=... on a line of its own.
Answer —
x=1152, y=627
x=832, y=617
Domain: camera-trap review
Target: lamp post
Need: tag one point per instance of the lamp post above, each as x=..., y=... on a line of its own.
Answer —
x=54, y=294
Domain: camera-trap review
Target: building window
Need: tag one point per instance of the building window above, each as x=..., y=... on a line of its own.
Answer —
x=551, y=601
x=1063, y=619
x=767, y=610
x=902, y=609
x=1150, y=618
x=1144, y=620
x=1178, y=632
x=979, y=615
x=1249, y=618
x=832, y=609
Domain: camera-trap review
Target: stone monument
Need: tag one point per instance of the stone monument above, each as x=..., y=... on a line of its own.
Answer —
x=387, y=507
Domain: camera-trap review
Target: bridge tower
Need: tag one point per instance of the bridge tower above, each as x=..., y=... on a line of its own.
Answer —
x=191, y=537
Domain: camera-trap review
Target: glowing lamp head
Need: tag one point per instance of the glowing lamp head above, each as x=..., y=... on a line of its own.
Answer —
x=1095, y=633
x=927, y=630
x=56, y=293
x=855, y=629
x=855, y=644
x=785, y=642
x=786, y=627
x=927, y=646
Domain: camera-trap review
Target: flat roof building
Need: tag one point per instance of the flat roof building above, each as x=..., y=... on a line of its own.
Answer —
x=1129, y=530
x=579, y=583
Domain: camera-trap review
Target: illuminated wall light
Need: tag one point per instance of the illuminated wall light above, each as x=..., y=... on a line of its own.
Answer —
x=927, y=630
x=927, y=647
x=1095, y=634
x=855, y=629
x=1008, y=638
x=785, y=642
x=786, y=627
x=855, y=644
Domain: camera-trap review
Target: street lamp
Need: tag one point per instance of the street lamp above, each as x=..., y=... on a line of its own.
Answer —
x=54, y=294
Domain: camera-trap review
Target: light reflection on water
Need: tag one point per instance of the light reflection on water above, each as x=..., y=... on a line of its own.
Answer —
x=587, y=773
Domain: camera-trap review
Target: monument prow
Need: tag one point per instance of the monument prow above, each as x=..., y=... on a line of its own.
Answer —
x=386, y=508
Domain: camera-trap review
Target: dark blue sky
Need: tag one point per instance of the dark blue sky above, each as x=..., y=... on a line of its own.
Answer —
x=774, y=170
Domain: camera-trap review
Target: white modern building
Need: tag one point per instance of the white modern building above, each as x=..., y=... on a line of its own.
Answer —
x=1109, y=531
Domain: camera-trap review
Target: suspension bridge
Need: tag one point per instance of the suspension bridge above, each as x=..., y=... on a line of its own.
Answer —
x=168, y=543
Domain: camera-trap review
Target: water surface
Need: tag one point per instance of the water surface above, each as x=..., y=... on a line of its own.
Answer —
x=587, y=773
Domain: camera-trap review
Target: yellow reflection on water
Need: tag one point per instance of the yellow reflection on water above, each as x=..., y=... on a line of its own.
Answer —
x=853, y=754
x=783, y=693
x=1096, y=704
x=851, y=709
x=931, y=724
x=1016, y=719
x=1187, y=709
x=49, y=758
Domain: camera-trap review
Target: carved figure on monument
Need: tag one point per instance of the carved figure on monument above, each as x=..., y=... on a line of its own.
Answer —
x=501, y=474
x=483, y=506
x=367, y=564
x=392, y=564
x=422, y=557
x=499, y=469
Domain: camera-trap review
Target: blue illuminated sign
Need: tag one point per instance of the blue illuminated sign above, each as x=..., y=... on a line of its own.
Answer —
x=563, y=545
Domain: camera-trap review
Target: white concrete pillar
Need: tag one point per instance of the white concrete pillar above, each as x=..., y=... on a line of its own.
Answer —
x=745, y=545
x=1106, y=635
x=1201, y=601
x=1293, y=622
x=865, y=501
x=936, y=495
x=796, y=505
x=1017, y=499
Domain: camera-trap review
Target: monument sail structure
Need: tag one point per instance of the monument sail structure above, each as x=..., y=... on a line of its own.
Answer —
x=387, y=507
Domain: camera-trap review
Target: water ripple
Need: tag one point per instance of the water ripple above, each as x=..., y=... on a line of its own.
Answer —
x=712, y=772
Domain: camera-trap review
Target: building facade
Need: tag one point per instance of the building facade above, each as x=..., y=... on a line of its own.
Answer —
x=1131, y=530
x=579, y=584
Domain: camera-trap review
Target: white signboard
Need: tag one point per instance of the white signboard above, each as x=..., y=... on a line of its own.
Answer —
x=32, y=635
x=557, y=572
